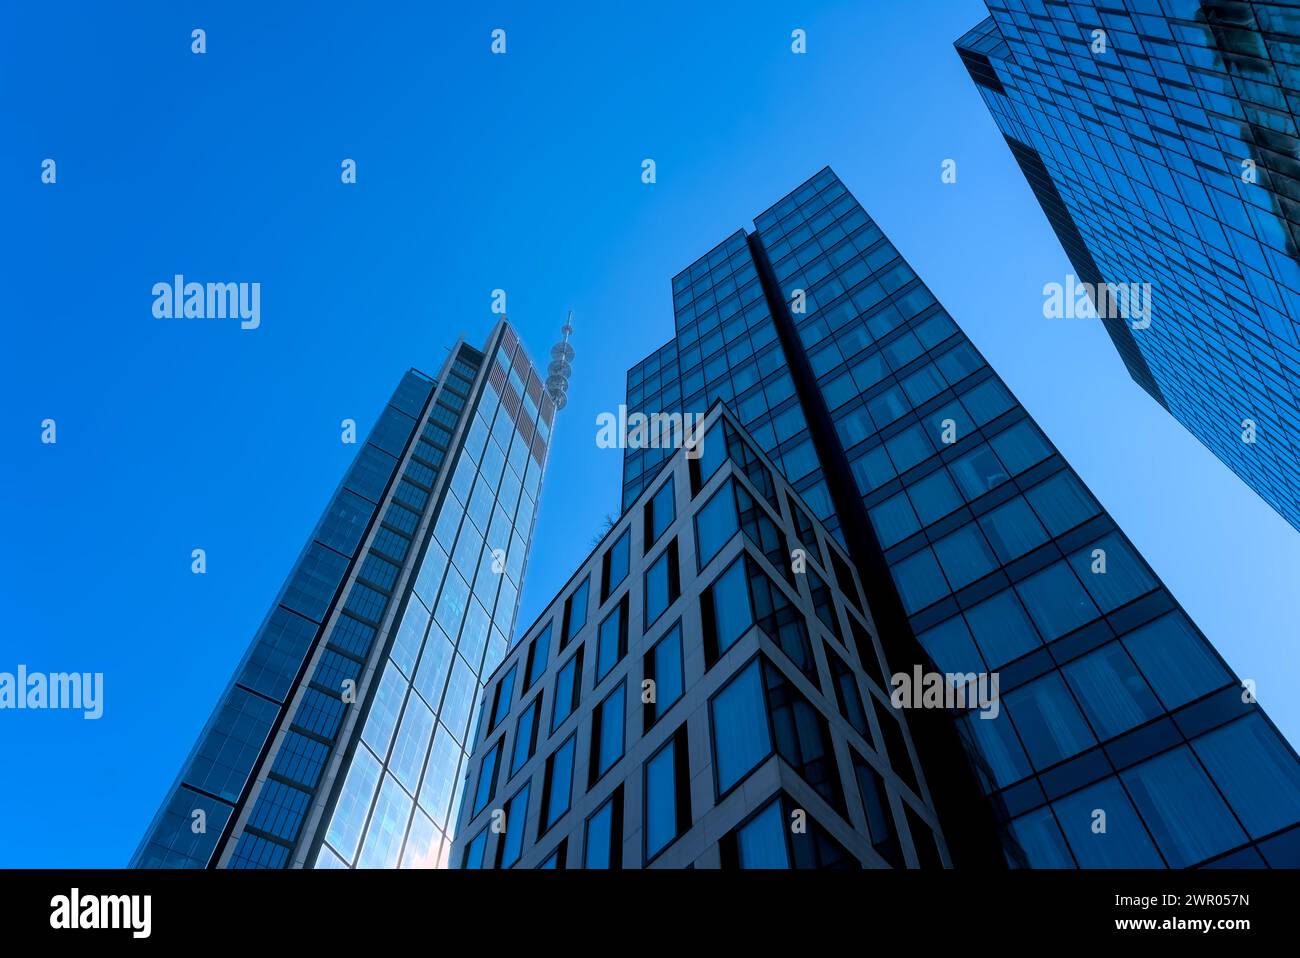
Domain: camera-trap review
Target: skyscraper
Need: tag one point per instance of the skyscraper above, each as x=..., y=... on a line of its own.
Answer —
x=1161, y=139
x=695, y=686
x=1121, y=739
x=340, y=738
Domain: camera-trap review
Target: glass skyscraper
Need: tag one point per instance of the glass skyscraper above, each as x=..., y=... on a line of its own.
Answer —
x=1161, y=139
x=700, y=694
x=341, y=738
x=1123, y=738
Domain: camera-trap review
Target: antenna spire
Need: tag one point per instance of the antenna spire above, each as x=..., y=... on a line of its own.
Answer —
x=560, y=368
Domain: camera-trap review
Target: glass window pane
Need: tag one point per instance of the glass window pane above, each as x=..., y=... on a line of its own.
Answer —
x=1062, y=502
x=894, y=520
x=761, y=840
x=1177, y=662
x=715, y=524
x=660, y=800
x=668, y=676
x=1181, y=808
x=731, y=609
x=1122, y=843
x=1113, y=693
x=557, y=799
x=919, y=580
x=1013, y=530
x=1048, y=720
x=1113, y=577
x=740, y=733
x=1056, y=601
x=600, y=839
x=1255, y=770
x=1001, y=629
x=964, y=556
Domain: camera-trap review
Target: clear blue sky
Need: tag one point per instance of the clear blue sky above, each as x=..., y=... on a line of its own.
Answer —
x=474, y=172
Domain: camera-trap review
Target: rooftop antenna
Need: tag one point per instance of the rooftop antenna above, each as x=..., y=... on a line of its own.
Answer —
x=560, y=369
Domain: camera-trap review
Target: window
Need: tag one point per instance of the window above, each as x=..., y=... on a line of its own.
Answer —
x=1001, y=629
x=1049, y=722
x=512, y=841
x=487, y=779
x=978, y=472
x=474, y=851
x=1012, y=529
x=662, y=584
x=555, y=860
x=1256, y=772
x=660, y=512
x=663, y=667
x=603, y=847
x=1113, y=693
x=1182, y=808
x=923, y=839
x=559, y=784
x=765, y=841
x=1020, y=447
x=715, y=524
x=667, y=796
x=568, y=690
x=880, y=822
x=611, y=640
x=501, y=700
x=933, y=496
x=760, y=842
x=847, y=695
x=575, y=612
x=526, y=735
x=1124, y=843
x=725, y=610
x=964, y=556
x=1177, y=662
x=1062, y=502
x=741, y=739
x=1124, y=578
x=538, y=654
x=607, y=726
x=1056, y=601
x=802, y=737
x=919, y=580
x=894, y=520
x=615, y=564
x=713, y=453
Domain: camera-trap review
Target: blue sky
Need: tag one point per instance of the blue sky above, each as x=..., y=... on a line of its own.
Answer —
x=475, y=172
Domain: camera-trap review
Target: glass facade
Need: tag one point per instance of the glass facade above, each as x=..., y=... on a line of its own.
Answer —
x=1002, y=560
x=1161, y=139
x=341, y=742
x=734, y=684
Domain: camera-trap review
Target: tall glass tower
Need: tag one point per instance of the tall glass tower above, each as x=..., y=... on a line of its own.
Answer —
x=1161, y=139
x=1123, y=739
x=340, y=740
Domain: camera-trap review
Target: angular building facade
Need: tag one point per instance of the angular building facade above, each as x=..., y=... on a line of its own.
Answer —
x=1161, y=139
x=341, y=737
x=1122, y=738
x=695, y=698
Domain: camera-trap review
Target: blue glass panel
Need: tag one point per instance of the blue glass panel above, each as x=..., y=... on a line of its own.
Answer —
x=740, y=733
x=660, y=800
x=761, y=840
x=1176, y=661
x=1256, y=771
x=1114, y=695
x=1103, y=830
x=731, y=608
x=1056, y=601
x=1181, y=808
x=1048, y=720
